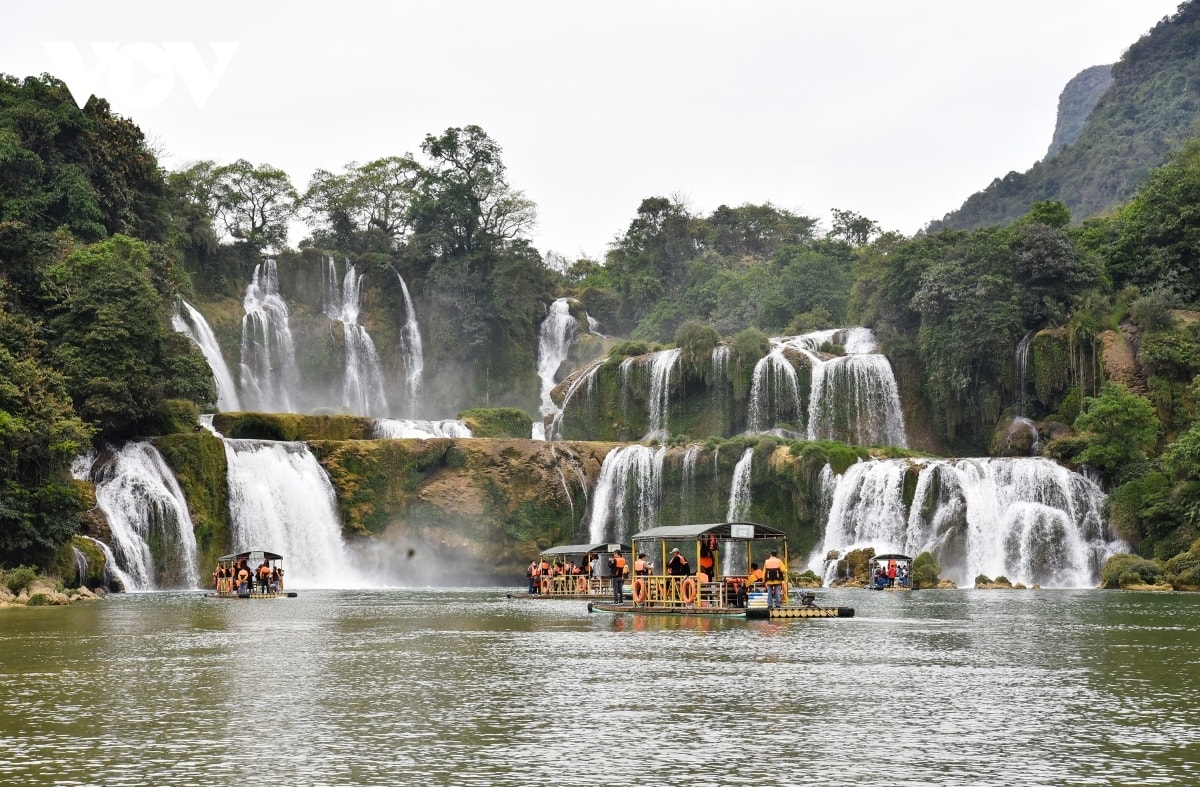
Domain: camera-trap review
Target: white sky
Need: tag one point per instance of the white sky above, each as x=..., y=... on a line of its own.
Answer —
x=898, y=110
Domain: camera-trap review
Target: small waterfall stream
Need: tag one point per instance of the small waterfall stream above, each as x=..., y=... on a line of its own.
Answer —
x=411, y=352
x=555, y=335
x=153, y=539
x=268, y=360
x=362, y=382
x=192, y=324
x=627, y=494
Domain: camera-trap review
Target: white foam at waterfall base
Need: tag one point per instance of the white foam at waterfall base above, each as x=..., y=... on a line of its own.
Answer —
x=1027, y=519
x=192, y=324
x=400, y=428
x=281, y=500
x=144, y=505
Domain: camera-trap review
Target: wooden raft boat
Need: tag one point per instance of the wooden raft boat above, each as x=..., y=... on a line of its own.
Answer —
x=242, y=576
x=557, y=577
x=710, y=590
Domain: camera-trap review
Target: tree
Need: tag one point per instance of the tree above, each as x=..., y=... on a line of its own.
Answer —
x=254, y=203
x=1118, y=427
x=374, y=199
x=854, y=228
x=40, y=435
x=111, y=336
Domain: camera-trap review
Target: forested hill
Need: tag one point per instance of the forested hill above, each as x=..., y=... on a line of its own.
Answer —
x=1151, y=108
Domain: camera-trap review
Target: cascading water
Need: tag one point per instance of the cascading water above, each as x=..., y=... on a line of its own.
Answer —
x=1028, y=519
x=852, y=398
x=555, y=335
x=393, y=428
x=192, y=324
x=739, y=489
x=153, y=540
x=627, y=493
x=688, y=492
x=411, y=352
x=1021, y=361
x=584, y=380
x=661, y=366
x=855, y=400
x=268, y=362
x=362, y=383
x=281, y=500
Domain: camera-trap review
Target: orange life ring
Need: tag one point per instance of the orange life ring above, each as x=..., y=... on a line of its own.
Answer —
x=545, y=586
x=581, y=585
x=687, y=591
x=639, y=591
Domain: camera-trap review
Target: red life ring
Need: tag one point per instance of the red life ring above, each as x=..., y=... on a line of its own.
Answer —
x=545, y=586
x=687, y=591
x=639, y=591
x=581, y=585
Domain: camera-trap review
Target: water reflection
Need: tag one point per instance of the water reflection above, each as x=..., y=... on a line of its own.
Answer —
x=468, y=687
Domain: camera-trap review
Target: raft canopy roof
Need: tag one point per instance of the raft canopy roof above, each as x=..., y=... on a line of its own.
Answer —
x=725, y=531
x=897, y=557
x=581, y=549
x=250, y=555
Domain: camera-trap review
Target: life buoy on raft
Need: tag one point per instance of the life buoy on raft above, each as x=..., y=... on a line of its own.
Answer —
x=545, y=586
x=639, y=591
x=687, y=591
x=581, y=585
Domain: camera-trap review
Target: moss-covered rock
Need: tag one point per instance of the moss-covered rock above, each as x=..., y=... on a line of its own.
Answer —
x=292, y=427
x=482, y=506
x=199, y=463
x=498, y=422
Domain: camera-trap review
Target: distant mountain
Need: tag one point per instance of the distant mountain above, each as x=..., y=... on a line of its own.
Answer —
x=1076, y=102
x=1150, y=107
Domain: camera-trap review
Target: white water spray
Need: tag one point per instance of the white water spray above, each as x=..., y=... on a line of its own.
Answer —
x=192, y=324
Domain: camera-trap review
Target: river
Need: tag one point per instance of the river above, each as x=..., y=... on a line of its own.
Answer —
x=466, y=687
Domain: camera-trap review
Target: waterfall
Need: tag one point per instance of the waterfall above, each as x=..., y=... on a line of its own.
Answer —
x=1021, y=361
x=855, y=399
x=630, y=483
x=114, y=578
x=192, y=324
x=660, y=393
x=555, y=335
x=774, y=390
x=362, y=382
x=688, y=491
x=1028, y=519
x=392, y=428
x=268, y=363
x=720, y=383
x=281, y=500
x=410, y=350
x=81, y=565
x=583, y=379
x=739, y=489
x=153, y=540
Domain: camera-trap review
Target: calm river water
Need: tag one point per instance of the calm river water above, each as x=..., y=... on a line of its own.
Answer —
x=397, y=687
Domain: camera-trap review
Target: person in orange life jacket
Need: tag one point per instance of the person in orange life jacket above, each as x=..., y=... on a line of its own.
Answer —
x=643, y=567
x=617, y=567
x=531, y=574
x=264, y=576
x=775, y=574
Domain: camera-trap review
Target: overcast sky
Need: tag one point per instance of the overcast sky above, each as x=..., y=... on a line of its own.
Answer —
x=896, y=109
